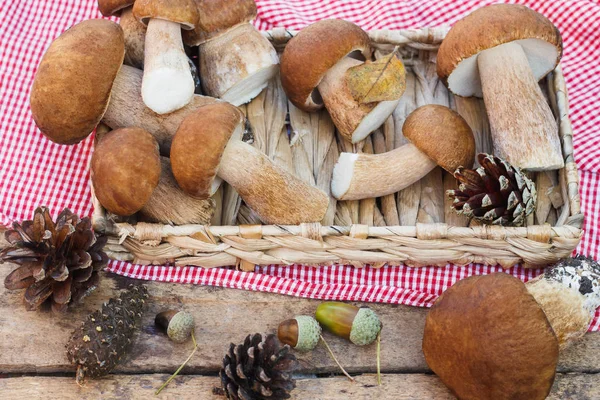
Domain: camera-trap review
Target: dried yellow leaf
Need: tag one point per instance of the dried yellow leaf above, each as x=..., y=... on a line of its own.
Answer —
x=380, y=80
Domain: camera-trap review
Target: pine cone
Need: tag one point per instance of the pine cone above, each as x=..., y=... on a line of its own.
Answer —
x=106, y=335
x=258, y=369
x=495, y=193
x=59, y=261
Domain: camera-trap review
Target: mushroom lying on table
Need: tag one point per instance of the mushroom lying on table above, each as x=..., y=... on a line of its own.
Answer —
x=168, y=84
x=314, y=72
x=129, y=176
x=208, y=144
x=437, y=135
x=494, y=337
x=500, y=52
x=134, y=31
x=236, y=61
x=81, y=81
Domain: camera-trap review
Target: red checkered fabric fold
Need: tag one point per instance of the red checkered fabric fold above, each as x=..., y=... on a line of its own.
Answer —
x=34, y=171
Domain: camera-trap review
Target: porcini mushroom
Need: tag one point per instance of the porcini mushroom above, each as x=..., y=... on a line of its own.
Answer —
x=208, y=144
x=314, y=67
x=168, y=84
x=437, y=135
x=494, y=337
x=133, y=30
x=236, y=61
x=129, y=176
x=81, y=81
x=500, y=52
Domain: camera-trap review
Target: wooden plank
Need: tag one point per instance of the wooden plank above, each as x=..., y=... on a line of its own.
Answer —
x=395, y=387
x=37, y=339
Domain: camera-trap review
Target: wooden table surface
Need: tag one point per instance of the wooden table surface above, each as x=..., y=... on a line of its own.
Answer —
x=33, y=363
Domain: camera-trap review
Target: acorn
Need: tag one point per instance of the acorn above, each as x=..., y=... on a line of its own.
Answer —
x=301, y=333
x=359, y=325
x=178, y=325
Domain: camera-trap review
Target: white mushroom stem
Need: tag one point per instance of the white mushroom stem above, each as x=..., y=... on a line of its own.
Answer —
x=361, y=176
x=135, y=35
x=127, y=109
x=569, y=294
x=168, y=84
x=274, y=194
x=354, y=121
x=524, y=130
x=237, y=65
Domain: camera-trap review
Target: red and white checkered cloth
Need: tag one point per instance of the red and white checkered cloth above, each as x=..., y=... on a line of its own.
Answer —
x=34, y=171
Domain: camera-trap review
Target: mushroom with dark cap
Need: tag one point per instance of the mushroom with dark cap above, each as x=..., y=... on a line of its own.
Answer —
x=208, y=144
x=236, y=61
x=494, y=337
x=500, y=52
x=314, y=67
x=437, y=135
x=81, y=81
x=134, y=31
x=168, y=84
x=129, y=176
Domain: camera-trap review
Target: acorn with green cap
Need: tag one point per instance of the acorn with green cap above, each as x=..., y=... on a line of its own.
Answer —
x=359, y=325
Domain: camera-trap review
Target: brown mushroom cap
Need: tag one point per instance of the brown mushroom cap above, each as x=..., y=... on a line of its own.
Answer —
x=308, y=56
x=125, y=170
x=199, y=144
x=487, y=338
x=442, y=134
x=217, y=17
x=183, y=12
x=72, y=85
x=112, y=7
x=491, y=26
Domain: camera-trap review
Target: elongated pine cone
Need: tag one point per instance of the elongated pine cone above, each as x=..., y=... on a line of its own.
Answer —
x=106, y=335
x=496, y=193
x=258, y=369
x=59, y=261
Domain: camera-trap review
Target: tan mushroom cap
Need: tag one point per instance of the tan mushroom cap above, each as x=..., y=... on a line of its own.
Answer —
x=72, y=85
x=487, y=338
x=113, y=7
x=218, y=16
x=125, y=170
x=491, y=26
x=199, y=144
x=308, y=56
x=442, y=134
x=183, y=12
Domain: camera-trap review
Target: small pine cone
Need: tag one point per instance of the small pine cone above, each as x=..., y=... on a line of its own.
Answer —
x=258, y=369
x=106, y=335
x=496, y=193
x=59, y=261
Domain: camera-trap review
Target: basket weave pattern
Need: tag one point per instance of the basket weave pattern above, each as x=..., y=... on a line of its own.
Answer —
x=422, y=231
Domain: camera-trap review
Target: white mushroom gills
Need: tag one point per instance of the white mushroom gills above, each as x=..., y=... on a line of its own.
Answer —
x=168, y=84
x=524, y=130
x=569, y=293
x=361, y=176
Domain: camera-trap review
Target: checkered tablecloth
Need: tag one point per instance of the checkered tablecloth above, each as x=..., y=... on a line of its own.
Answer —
x=34, y=171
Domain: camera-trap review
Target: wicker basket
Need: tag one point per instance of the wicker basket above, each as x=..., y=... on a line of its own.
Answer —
x=422, y=231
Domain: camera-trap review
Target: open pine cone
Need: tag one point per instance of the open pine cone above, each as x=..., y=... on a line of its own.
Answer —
x=59, y=261
x=258, y=369
x=495, y=193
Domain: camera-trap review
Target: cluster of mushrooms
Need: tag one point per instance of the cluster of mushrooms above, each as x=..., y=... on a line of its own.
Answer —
x=168, y=148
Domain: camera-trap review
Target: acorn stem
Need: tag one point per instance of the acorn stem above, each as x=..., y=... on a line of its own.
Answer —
x=379, y=358
x=164, y=385
x=335, y=359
